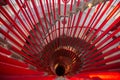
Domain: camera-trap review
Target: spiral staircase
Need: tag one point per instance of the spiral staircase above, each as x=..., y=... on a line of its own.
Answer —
x=60, y=39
